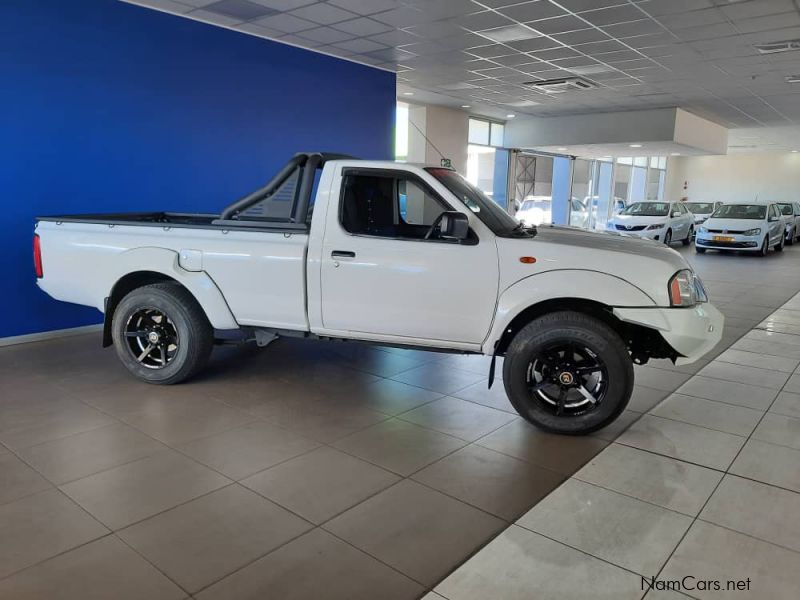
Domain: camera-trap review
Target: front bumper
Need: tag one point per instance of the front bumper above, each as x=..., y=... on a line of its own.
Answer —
x=692, y=332
x=736, y=242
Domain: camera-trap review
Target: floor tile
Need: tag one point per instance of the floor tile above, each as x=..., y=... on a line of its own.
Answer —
x=793, y=385
x=519, y=561
x=340, y=572
x=756, y=509
x=459, y=418
x=772, y=337
x=664, y=481
x=493, y=398
x=683, y=441
x=399, y=446
x=475, y=363
x=393, y=397
x=787, y=404
x=729, y=392
x=200, y=542
x=721, y=554
x=749, y=375
x=709, y=413
x=622, y=530
x=768, y=463
x=416, y=530
x=762, y=361
x=66, y=419
x=17, y=479
x=779, y=429
x=82, y=454
x=103, y=569
x=241, y=452
x=494, y=482
x=644, y=398
x=372, y=360
x=42, y=525
x=321, y=484
x=564, y=454
x=659, y=379
x=769, y=348
x=137, y=490
x=186, y=422
x=439, y=377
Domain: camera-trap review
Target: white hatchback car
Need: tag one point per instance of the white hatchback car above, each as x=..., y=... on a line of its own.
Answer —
x=791, y=214
x=660, y=221
x=754, y=227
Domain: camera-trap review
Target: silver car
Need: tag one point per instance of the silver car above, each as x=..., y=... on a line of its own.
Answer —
x=791, y=214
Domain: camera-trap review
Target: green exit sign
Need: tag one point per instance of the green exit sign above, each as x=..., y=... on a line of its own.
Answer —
x=447, y=163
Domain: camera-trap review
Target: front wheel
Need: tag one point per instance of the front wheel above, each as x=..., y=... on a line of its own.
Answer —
x=764, y=250
x=689, y=237
x=779, y=247
x=699, y=250
x=792, y=236
x=668, y=237
x=161, y=333
x=569, y=373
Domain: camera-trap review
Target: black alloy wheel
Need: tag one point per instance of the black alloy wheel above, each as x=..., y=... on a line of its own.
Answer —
x=151, y=338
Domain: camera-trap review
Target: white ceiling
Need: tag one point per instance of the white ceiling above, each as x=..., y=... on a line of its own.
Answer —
x=696, y=54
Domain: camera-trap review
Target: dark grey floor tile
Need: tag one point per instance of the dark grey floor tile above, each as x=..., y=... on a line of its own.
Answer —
x=82, y=454
x=659, y=379
x=42, y=525
x=499, y=484
x=439, y=377
x=768, y=463
x=644, y=398
x=493, y=398
x=779, y=429
x=103, y=569
x=563, y=454
x=416, y=530
x=737, y=420
x=730, y=392
x=743, y=374
x=321, y=484
x=787, y=403
x=315, y=565
x=614, y=429
x=459, y=418
x=204, y=540
x=393, y=397
x=245, y=450
x=399, y=446
x=140, y=489
x=17, y=479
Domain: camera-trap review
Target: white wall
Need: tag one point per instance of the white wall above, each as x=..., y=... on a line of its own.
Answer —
x=735, y=177
x=446, y=130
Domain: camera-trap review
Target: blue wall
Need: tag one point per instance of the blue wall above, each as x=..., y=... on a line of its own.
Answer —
x=107, y=106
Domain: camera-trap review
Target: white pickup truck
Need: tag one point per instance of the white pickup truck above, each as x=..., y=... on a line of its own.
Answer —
x=393, y=254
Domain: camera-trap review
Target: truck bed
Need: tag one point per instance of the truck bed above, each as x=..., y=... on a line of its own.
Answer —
x=171, y=219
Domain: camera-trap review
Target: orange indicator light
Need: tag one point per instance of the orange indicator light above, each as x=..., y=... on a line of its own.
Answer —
x=527, y=260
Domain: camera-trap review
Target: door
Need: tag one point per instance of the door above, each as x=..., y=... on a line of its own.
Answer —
x=381, y=278
x=775, y=223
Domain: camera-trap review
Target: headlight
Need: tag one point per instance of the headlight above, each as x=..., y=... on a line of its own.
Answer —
x=703, y=230
x=755, y=231
x=656, y=226
x=686, y=289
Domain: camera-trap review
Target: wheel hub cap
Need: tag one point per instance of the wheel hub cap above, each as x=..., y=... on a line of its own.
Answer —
x=153, y=337
x=566, y=378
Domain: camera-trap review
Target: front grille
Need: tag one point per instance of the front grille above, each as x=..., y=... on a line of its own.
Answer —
x=716, y=244
x=630, y=227
x=731, y=231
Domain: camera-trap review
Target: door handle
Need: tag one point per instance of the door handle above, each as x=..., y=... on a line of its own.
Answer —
x=343, y=254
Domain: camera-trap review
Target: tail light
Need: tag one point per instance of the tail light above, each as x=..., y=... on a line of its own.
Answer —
x=37, y=256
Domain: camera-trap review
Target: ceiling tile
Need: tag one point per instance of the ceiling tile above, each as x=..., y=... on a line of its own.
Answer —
x=323, y=13
x=366, y=7
x=325, y=35
x=559, y=24
x=401, y=17
x=532, y=11
x=286, y=23
x=243, y=10
x=614, y=14
x=360, y=45
x=362, y=26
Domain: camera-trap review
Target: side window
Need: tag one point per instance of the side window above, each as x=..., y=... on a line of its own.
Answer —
x=386, y=206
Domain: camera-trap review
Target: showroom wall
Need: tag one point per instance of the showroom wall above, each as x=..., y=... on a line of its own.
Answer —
x=109, y=107
x=735, y=177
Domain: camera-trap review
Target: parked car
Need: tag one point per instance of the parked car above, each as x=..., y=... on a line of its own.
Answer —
x=701, y=211
x=569, y=310
x=752, y=227
x=536, y=210
x=578, y=214
x=791, y=214
x=660, y=221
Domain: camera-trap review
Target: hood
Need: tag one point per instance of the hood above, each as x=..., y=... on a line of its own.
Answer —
x=643, y=263
x=637, y=219
x=733, y=224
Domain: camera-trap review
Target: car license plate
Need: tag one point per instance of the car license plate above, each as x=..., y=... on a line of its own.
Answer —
x=723, y=238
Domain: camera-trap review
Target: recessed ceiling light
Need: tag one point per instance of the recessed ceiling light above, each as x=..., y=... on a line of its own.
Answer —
x=408, y=93
x=792, y=78
x=674, y=153
x=510, y=116
x=562, y=149
x=509, y=33
x=465, y=106
x=795, y=151
x=634, y=145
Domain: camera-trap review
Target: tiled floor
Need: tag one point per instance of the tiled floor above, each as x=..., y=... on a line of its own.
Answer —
x=311, y=470
x=706, y=483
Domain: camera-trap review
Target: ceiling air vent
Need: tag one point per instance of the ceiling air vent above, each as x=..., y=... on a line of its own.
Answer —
x=561, y=85
x=792, y=78
x=773, y=47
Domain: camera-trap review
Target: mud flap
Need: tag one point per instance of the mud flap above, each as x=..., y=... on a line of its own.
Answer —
x=491, y=371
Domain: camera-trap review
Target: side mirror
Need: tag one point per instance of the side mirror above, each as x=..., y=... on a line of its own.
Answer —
x=454, y=225
x=517, y=205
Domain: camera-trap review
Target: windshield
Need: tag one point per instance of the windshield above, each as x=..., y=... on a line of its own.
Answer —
x=487, y=210
x=647, y=209
x=741, y=211
x=786, y=209
x=701, y=208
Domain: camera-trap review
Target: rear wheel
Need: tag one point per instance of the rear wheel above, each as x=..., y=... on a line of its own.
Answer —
x=699, y=250
x=689, y=237
x=567, y=372
x=779, y=247
x=792, y=235
x=668, y=237
x=161, y=333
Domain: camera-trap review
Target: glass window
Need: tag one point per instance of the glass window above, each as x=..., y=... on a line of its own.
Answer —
x=480, y=167
x=401, y=131
x=786, y=209
x=478, y=132
x=385, y=206
x=640, y=161
x=497, y=133
x=647, y=209
x=741, y=211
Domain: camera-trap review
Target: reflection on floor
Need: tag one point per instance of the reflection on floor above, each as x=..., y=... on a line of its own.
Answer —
x=314, y=470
